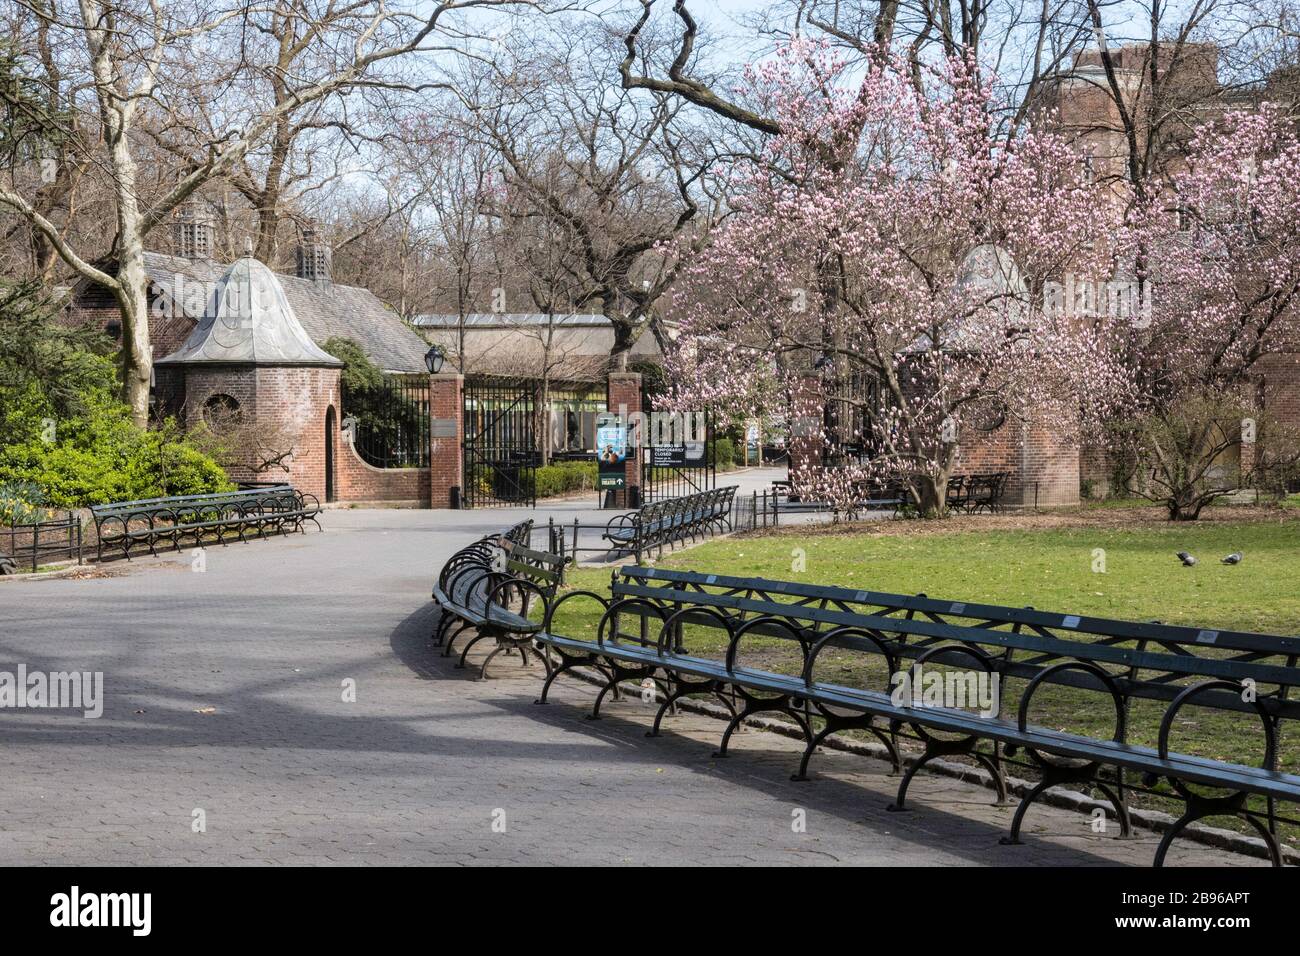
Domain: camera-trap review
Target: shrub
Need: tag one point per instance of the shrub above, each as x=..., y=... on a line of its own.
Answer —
x=1185, y=450
x=725, y=453
x=563, y=477
x=67, y=439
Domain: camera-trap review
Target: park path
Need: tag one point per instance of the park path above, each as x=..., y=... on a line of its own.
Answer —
x=224, y=703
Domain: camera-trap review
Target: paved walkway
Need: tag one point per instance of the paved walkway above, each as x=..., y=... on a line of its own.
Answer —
x=224, y=704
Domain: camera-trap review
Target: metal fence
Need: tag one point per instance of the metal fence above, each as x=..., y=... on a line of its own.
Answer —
x=578, y=541
x=42, y=542
x=500, y=445
x=390, y=422
x=662, y=477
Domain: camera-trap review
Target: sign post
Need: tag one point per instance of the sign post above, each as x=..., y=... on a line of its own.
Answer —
x=611, y=454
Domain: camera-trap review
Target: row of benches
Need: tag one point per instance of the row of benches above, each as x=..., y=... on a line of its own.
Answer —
x=664, y=523
x=654, y=626
x=969, y=493
x=868, y=496
x=199, y=519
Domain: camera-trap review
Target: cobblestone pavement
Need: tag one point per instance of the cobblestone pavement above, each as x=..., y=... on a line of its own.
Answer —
x=225, y=703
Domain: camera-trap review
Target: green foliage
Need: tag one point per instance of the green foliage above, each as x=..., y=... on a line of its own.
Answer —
x=63, y=364
x=359, y=375
x=562, y=477
x=726, y=453
x=22, y=502
x=65, y=437
x=389, y=427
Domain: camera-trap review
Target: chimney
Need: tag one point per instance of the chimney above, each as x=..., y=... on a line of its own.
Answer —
x=313, y=255
x=192, y=231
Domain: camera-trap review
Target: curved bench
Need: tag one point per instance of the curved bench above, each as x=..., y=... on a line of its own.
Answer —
x=1116, y=662
x=490, y=586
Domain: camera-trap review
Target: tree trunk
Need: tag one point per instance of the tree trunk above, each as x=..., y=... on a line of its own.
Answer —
x=1185, y=507
x=932, y=495
x=132, y=294
x=133, y=281
x=622, y=349
x=137, y=353
x=544, y=421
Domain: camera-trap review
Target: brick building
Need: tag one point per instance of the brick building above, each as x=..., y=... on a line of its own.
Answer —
x=239, y=346
x=240, y=349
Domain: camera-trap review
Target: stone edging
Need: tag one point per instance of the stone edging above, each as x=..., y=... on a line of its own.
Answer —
x=45, y=575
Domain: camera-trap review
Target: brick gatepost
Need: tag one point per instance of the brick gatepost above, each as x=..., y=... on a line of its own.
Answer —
x=624, y=398
x=807, y=405
x=446, y=435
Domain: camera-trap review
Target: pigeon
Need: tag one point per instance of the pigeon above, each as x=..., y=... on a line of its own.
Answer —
x=1234, y=558
x=1186, y=558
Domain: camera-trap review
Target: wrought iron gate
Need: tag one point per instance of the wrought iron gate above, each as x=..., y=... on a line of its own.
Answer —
x=500, y=444
x=669, y=472
x=390, y=421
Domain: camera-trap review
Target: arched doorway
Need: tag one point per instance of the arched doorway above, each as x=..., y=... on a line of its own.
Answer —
x=331, y=426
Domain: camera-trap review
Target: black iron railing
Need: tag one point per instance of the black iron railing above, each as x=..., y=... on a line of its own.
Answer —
x=38, y=543
x=390, y=421
x=500, y=445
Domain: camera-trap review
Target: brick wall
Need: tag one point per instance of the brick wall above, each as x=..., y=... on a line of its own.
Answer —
x=1048, y=476
x=283, y=408
x=95, y=306
x=358, y=480
x=1043, y=468
x=1279, y=390
x=1280, y=374
x=446, y=404
x=297, y=400
x=806, y=438
x=1097, y=468
x=186, y=389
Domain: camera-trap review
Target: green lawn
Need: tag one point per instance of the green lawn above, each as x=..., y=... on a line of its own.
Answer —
x=1050, y=569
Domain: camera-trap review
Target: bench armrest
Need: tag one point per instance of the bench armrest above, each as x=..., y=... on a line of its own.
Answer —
x=629, y=519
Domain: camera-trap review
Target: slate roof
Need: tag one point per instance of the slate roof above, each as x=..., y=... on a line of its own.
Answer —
x=249, y=320
x=324, y=309
x=512, y=344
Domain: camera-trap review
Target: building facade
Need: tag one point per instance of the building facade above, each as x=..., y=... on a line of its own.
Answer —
x=238, y=348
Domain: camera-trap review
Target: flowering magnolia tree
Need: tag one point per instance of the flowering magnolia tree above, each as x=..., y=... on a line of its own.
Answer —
x=1220, y=245
x=888, y=254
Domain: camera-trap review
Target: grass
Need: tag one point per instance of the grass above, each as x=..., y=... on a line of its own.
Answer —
x=1050, y=569
x=1123, y=566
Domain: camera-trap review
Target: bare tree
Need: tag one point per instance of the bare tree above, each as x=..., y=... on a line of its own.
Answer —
x=459, y=181
x=548, y=256
x=43, y=144
x=616, y=170
x=137, y=60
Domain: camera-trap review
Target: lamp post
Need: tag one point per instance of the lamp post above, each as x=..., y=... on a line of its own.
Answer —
x=434, y=358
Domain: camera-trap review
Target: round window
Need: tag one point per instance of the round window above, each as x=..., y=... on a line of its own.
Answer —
x=221, y=411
